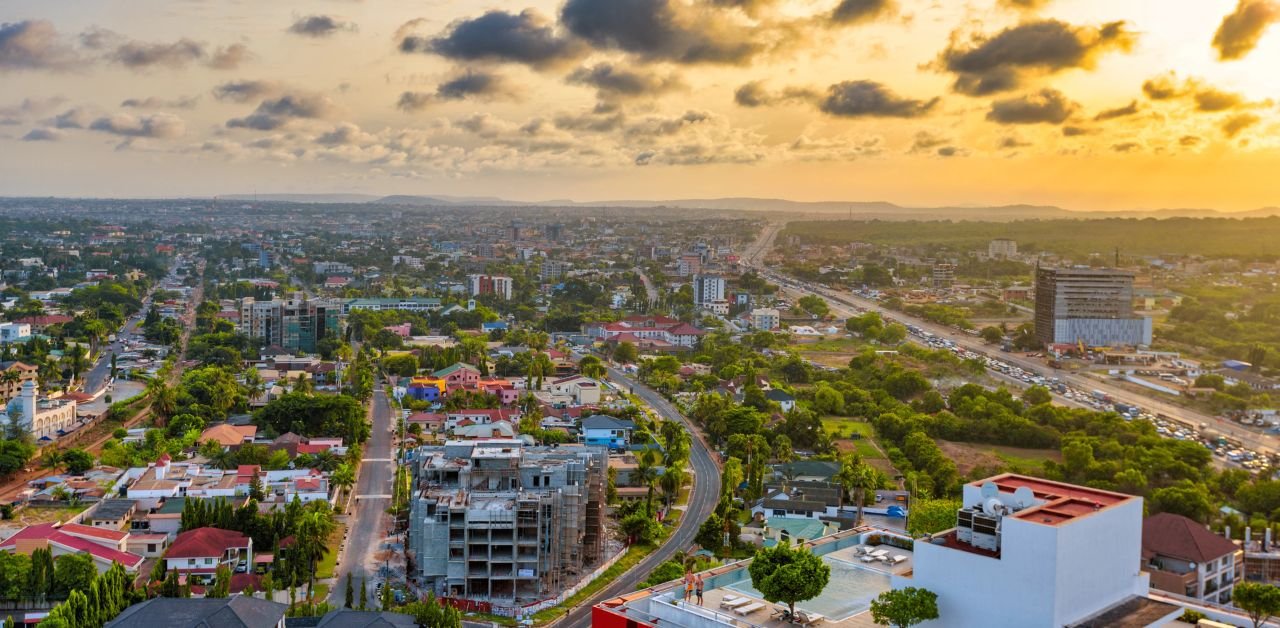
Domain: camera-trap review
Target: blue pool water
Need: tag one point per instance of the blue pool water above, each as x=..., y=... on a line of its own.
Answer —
x=848, y=593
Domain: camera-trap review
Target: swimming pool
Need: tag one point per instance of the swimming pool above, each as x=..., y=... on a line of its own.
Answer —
x=849, y=592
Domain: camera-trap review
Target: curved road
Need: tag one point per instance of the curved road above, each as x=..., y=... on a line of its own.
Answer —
x=706, y=493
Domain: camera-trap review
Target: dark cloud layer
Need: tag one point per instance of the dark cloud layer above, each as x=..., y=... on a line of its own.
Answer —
x=319, y=26
x=612, y=80
x=1241, y=29
x=988, y=65
x=1237, y=123
x=1118, y=112
x=152, y=102
x=136, y=54
x=42, y=135
x=474, y=83
x=1047, y=106
x=524, y=37
x=663, y=30
x=852, y=99
x=160, y=125
x=1206, y=97
x=277, y=112
x=244, y=91
x=858, y=11
x=34, y=45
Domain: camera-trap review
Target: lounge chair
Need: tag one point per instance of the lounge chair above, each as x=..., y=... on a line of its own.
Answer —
x=880, y=553
x=780, y=611
x=742, y=601
x=805, y=618
x=749, y=609
x=867, y=559
x=897, y=559
x=864, y=549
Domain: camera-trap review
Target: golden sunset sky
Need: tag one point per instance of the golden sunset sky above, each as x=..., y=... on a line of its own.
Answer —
x=1086, y=104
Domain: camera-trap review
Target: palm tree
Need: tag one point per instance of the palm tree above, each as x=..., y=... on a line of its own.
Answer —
x=857, y=477
x=96, y=330
x=671, y=481
x=313, y=533
x=343, y=477
x=164, y=401
x=253, y=383
x=646, y=474
x=75, y=359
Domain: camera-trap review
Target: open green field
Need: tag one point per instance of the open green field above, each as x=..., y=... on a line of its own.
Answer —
x=842, y=427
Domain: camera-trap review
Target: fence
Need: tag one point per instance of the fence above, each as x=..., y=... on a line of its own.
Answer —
x=529, y=609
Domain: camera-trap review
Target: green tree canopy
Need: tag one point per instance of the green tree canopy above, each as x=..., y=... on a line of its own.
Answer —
x=902, y=608
x=788, y=574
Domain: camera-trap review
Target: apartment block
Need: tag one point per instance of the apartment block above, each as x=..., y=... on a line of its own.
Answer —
x=489, y=284
x=296, y=324
x=502, y=522
x=708, y=289
x=1090, y=306
x=1002, y=247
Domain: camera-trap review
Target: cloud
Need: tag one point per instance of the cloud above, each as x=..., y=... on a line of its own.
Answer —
x=526, y=37
x=1189, y=140
x=414, y=101
x=160, y=125
x=1119, y=112
x=345, y=134
x=1076, y=131
x=1206, y=97
x=1233, y=125
x=859, y=11
x=319, y=26
x=951, y=151
x=927, y=141
x=1045, y=106
x=140, y=55
x=475, y=83
x=1025, y=5
x=34, y=45
x=152, y=102
x=230, y=57
x=1126, y=147
x=754, y=94
x=15, y=114
x=42, y=135
x=244, y=91
x=1241, y=29
x=852, y=99
x=275, y=113
x=1011, y=141
x=658, y=126
x=750, y=7
x=74, y=118
x=592, y=121
x=1213, y=99
x=667, y=30
x=987, y=65
x=613, y=81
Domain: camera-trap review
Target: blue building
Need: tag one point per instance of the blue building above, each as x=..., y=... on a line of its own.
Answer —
x=607, y=431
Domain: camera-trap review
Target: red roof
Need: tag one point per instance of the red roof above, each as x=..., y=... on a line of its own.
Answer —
x=47, y=319
x=206, y=542
x=50, y=534
x=1176, y=536
x=307, y=448
x=97, y=533
x=685, y=329
x=248, y=470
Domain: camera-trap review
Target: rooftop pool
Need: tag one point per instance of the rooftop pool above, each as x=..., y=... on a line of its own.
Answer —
x=849, y=592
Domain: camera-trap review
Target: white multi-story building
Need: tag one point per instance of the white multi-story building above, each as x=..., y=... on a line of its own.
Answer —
x=765, y=318
x=1002, y=247
x=332, y=268
x=14, y=332
x=708, y=289
x=45, y=418
x=1029, y=553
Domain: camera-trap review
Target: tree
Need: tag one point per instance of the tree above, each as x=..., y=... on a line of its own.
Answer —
x=857, y=477
x=640, y=528
x=432, y=614
x=991, y=334
x=221, y=583
x=927, y=516
x=788, y=574
x=343, y=477
x=1036, y=395
x=1184, y=498
x=72, y=572
x=77, y=461
x=364, y=595
x=646, y=474
x=625, y=353
x=1260, y=601
x=591, y=366
x=904, y=607
x=351, y=592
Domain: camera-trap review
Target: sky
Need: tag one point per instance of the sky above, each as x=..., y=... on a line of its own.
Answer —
x=1084, y=104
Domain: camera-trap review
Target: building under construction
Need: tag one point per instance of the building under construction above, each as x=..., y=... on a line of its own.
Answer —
x=500, y=521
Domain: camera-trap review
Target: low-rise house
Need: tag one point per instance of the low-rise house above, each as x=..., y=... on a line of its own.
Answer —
x=237, y=611
x=198, y=553
x=112, y=514
x=148, y=544
x=459, y=375
x=229, y=436
x=607, y=431
x=782, y=398
x=480, y=416
x=584, y=390
x=1187, y=559
x=103, y=546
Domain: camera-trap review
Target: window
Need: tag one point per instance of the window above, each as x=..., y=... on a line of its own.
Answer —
x=151, y=548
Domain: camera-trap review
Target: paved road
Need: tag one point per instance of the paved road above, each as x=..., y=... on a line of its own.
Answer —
x=367, y=527
x=98, y=376
x=706, y=493
x=846, y=303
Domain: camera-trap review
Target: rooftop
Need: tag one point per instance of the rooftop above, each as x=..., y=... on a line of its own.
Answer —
x=1060, y=502
x=233, y=612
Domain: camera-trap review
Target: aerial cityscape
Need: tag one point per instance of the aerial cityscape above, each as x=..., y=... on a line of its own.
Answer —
x=639, y=313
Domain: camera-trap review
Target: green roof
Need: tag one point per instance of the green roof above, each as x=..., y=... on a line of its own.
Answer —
x=453, y=368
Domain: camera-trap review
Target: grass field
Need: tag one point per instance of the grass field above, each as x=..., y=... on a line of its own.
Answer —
x=969, y=456
x=324, y=569
x=841, y=427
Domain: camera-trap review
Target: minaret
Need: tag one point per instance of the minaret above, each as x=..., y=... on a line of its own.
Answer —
x=28, y=402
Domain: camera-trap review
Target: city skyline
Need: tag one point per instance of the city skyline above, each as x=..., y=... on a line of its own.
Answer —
x=1078, y=103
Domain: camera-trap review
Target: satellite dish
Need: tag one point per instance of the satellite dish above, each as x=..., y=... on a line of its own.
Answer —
x=992, y=507
x=1024, y=497
x=990, y=490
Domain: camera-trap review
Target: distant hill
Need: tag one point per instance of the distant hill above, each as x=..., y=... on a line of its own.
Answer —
x=303, y=198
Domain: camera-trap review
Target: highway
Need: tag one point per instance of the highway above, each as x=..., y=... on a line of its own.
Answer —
x=702, y=502
x=367, y=526
x=848, y=304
